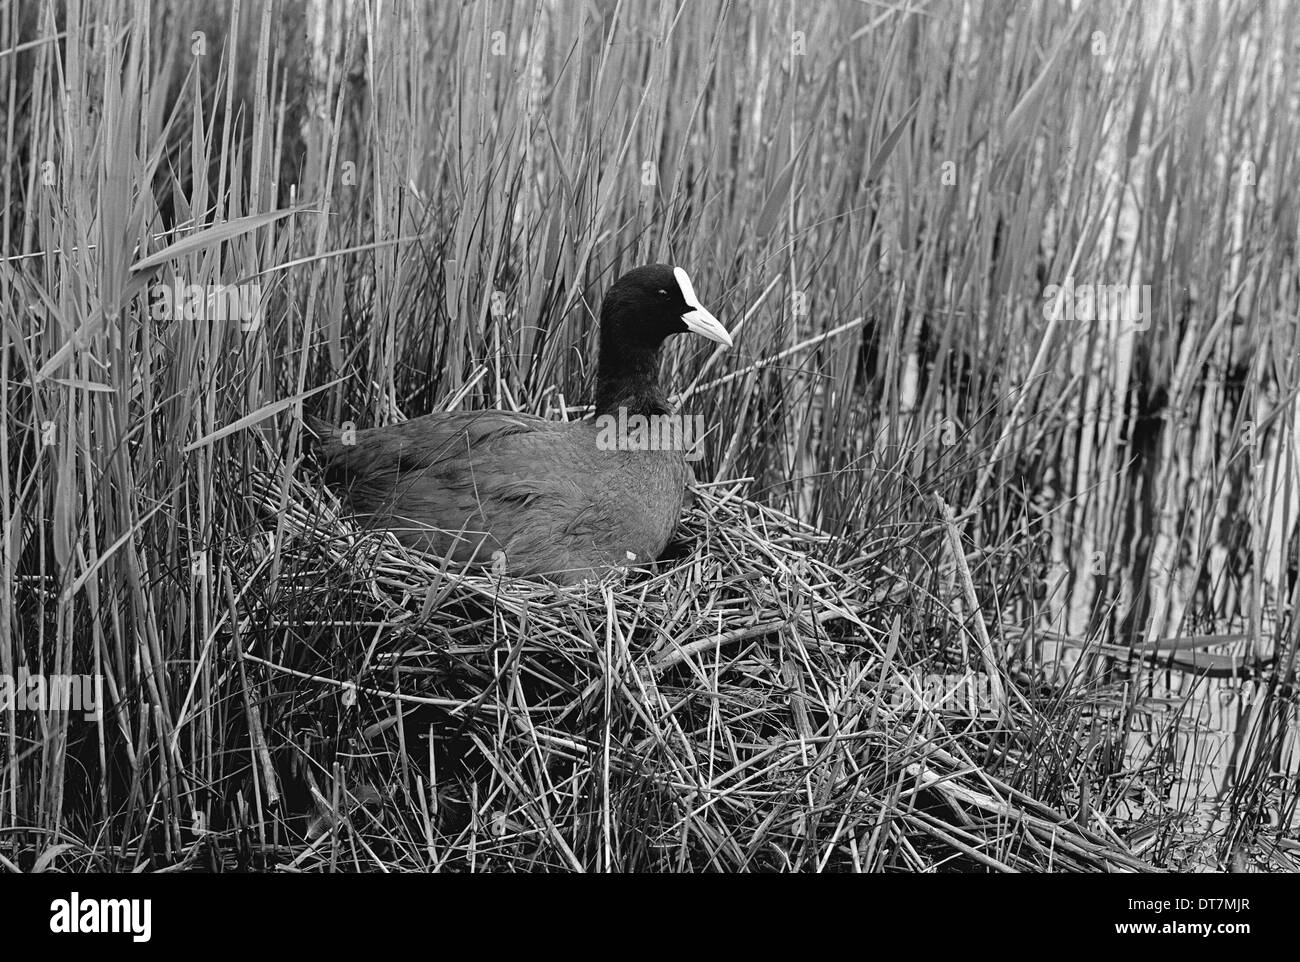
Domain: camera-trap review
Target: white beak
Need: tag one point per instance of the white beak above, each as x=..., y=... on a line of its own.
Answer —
x=697, y=319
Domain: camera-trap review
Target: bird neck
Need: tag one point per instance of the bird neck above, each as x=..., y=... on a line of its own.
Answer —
x=629, y=378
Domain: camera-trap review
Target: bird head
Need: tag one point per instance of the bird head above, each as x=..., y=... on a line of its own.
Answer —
x=647, y=304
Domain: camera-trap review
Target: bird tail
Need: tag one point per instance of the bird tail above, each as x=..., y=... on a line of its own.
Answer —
x=322, y=441
x=322, y=429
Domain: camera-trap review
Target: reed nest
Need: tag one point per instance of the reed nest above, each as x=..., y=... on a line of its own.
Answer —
x=737, y=707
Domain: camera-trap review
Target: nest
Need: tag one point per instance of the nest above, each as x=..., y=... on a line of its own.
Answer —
x=735, y=707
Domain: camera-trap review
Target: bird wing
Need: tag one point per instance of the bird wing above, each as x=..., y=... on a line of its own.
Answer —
x=371, y=454
x=469, y=484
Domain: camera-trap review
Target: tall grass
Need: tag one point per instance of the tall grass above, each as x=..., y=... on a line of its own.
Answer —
x=428, y=200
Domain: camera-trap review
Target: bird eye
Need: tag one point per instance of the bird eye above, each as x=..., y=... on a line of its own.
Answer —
x=662, y=293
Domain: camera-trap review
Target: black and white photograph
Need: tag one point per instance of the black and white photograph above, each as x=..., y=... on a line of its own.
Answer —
x=650, y=437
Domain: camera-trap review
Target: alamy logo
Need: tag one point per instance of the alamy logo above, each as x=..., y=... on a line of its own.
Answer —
x=34, y=691
x=207, y=302
x=655, y=432
x=1129, y=303
x=940, y=692
x=75, y=915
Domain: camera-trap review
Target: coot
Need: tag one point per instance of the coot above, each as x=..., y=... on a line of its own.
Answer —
x=539, y=498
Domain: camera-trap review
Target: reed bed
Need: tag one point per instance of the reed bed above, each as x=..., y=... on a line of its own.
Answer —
x=743, y=706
